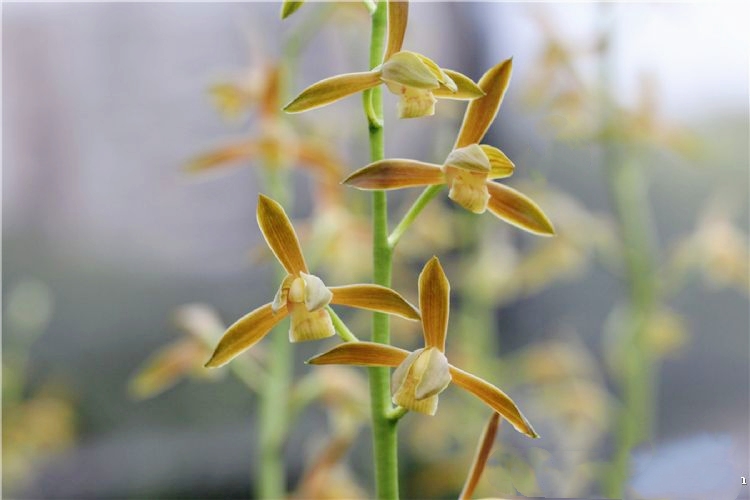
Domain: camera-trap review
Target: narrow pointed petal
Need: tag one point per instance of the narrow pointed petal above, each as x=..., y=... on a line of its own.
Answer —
x=518, y=209
x=500, y=165
x=231, y=153
x=486, y=442
x=396, y=174
x=245, y=333
x=279, y=234
x=434, y=302
x=374, y=298
x=465, y=87
x=482, y=111
x=332, y=89
x=317, y=295
x=409, y=69
x=494, y=398
x=289, y=7
x=471, y=158
x=361, y=354
x=442, y=77
x=398, y=15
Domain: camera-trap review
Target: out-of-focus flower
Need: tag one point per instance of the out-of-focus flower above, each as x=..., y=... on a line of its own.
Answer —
x=469, y=168
x=302, y=296
x=717, y=249
x=417, y=80
x=182, y=358
x=276, y=144
x=422, y=375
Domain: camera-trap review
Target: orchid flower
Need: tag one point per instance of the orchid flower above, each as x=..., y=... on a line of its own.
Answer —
x=416, y=79
x=469, y=168
x=420, y=376
x=301, y=295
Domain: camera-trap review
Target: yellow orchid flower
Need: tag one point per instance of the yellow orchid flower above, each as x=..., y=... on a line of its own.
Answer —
x=469, y=168
x=420, y=376
x=301, y=295
x=416, y=79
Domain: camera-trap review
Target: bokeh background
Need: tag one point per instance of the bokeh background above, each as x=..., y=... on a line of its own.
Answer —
x=105, y=236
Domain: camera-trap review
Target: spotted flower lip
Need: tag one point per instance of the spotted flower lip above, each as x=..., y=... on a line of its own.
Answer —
x=302, y=296
x=415, y=79
x=469, y=170
x=421, y=375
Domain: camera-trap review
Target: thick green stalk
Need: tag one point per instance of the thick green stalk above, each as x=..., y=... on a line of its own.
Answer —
x=273, y=422
x=383, y=428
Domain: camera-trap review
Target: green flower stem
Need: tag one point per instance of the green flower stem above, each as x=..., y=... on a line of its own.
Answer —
x=628, y=193
x=341, y=328
x=419, y=204
x=273, y=421
x=383, y=428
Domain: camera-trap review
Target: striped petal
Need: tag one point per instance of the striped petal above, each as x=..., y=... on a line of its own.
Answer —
x=471, y=157
x=500, y=165
x=494, y=398
x=481, y=112
x=396, y=174
x=244, y=333
x=518, y=209
x=398, y=15
x=374, y=298
x=332, y=89
x=434, y=302
x=279, y=234
x=361, y=354
x=466, y=89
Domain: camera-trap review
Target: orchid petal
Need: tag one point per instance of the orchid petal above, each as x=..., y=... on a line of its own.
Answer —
x=166, y=367
x=465, y=87
x=396, y=174
x=486, y=442
x=280, y=299
x=500, y=165
x=332, y=89
x=471, y=157
x=407, y=377
x=242, y=151
x=442, y=77
x=482, y=111
x=494, y=398
x=280, y=235
x=374, y=298
x=308, y=325
x=436, y=375
x=361, y=354
x=434, y=302
x=317, y=295
x=245, y=333
x=518, y=209
x=409, y=69
x=398, y=15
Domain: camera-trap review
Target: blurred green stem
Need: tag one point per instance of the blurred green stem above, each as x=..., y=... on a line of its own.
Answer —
x=628, y=193
x=419, y=204
x=383, y=428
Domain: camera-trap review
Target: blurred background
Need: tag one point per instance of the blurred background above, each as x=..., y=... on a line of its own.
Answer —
x=628, y=124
